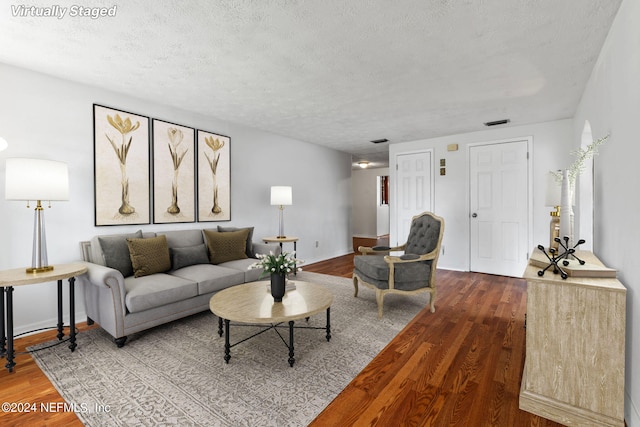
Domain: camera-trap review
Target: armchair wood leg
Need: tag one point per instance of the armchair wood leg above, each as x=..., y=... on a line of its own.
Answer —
x=355, y=285
x=379, y=299
x=432, y=302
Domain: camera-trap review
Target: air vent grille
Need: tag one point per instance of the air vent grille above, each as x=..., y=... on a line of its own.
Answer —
x=497, y=122
x=380, y=141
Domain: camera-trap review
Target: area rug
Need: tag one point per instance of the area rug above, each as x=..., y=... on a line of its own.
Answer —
x=175, y=374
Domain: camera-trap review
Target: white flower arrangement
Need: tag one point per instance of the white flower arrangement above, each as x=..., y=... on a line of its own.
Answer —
x=582, y=155
x=283, y=263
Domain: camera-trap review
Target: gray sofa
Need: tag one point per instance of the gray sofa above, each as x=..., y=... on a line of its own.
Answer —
x=140, y=280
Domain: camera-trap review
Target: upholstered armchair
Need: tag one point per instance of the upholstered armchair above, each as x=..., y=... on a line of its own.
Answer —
x=412, y=272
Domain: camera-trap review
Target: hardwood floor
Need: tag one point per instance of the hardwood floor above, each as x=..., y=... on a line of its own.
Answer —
x=458, y=366
x=461, y=365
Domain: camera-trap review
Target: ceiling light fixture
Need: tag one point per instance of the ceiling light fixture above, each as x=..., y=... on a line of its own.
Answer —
x=363, y=164
x=497, y=122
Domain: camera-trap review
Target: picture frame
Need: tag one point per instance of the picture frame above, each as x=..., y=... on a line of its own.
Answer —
x=214, y=176
x=174, y=183
x=121, y=167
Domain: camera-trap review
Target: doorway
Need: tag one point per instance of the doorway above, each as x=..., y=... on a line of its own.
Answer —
x=500, y=208
x=414, y=191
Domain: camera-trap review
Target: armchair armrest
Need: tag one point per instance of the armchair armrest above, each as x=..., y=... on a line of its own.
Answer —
x=379, y=250
x=411, y=257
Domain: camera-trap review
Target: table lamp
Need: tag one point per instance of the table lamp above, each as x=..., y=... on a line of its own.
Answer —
x=553, y=199
x=37, y=180
x=281, y=196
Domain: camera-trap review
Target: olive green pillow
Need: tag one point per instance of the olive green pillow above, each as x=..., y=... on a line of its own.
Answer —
x=149, y=256
x=227, y=246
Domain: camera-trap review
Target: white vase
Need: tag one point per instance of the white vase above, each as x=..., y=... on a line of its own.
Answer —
x=566, y=210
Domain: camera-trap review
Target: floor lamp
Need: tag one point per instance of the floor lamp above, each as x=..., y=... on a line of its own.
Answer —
x=281, y=196
x=37, y=180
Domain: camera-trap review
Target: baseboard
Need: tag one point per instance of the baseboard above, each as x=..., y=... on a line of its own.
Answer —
x=37, y=327
x=631, y=413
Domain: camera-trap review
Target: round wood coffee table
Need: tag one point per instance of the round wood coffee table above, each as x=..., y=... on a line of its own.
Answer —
x=252, y=303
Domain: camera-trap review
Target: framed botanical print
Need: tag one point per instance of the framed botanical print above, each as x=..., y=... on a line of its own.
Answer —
x=214, y=177
x=174, y=193
x=121, y=167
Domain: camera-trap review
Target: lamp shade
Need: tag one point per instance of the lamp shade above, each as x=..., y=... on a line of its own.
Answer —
x=36, y=179
x=552, y=196
x=281, y=196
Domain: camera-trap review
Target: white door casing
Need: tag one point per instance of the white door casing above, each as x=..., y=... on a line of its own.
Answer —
x=499, y=203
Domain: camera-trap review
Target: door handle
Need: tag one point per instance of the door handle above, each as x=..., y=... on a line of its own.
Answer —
x=474, y=215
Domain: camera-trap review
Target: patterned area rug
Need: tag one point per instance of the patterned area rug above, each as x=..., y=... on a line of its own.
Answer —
x=175, y=374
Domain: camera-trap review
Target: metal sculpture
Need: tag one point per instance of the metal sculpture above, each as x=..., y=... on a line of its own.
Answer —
x=560, y=257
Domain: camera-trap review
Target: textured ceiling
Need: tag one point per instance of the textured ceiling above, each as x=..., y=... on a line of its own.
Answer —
x=336, y=72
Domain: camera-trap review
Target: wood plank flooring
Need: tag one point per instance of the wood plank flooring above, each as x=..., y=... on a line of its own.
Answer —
x=461, y=365
x=458, y=366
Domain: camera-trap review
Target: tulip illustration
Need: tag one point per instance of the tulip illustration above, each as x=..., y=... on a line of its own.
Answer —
x=215, y=145
x=124, y=127
x=175, y=139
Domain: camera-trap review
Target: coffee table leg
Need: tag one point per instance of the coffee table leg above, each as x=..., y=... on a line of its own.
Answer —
x=220, y=326
x=328, y=323
x=291, y=359
x=227, y=345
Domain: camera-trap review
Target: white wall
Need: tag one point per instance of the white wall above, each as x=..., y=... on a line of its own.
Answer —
x=550, y=151
x=611, y=103
x=45, y=117
x=366, y=209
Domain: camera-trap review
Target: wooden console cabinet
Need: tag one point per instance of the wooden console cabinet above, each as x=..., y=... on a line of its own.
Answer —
x=575, y=338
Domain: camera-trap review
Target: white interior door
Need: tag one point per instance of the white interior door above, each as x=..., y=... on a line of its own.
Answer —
x=499, y=226
x=414, y=190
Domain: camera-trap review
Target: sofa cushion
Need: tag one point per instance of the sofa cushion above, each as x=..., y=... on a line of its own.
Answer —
x=116, y=252
x=183, y=238
x=250, y=275
x=156, y=290
x=227, y=246
x=210, y=278
x=149, y=256
x=249, y=249
x=191, y=255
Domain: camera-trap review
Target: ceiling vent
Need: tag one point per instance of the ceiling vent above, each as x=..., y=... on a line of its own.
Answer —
x=497, y=122
x=380, y=141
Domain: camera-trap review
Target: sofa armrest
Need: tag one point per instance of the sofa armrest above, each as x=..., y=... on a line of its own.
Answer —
x=266, y=248
x=104, y=297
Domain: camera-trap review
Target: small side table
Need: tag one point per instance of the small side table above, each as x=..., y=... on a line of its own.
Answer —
x=19, y=277
x=281, y=240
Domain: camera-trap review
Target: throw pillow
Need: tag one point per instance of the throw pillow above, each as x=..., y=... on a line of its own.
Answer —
x=249, y=250
x=228, y=246
x=190, y=255
x=149, y=256
x=116, y=252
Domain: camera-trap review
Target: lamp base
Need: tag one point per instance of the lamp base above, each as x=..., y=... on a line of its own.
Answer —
x=35, y=270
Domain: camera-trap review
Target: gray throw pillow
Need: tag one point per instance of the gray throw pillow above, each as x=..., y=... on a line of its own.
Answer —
x=116, y=252
x=190, y=255
x=249, y=248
